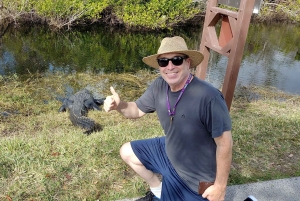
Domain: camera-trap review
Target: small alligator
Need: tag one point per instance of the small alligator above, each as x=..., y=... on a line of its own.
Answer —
x=78, y=106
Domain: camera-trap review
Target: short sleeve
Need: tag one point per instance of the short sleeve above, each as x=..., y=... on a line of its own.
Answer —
x=217, y=118
x=146, y=102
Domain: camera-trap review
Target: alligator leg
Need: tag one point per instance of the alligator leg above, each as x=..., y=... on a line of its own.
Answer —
x=99, y=101
x=64, y=107
x=97, y=127
x=93, y=103
x=90, y=104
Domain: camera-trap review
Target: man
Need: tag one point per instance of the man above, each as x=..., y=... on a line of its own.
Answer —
x=195, y=153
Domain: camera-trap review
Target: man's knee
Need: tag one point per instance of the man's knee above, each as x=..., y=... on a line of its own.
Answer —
x=126, y=152
x=128, y=155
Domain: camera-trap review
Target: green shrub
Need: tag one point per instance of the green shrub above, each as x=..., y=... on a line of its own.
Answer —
x=133, y=14
x=58, y=13
x=69, y=8
x=283, y=11
x=66, y=12
x=155, y=14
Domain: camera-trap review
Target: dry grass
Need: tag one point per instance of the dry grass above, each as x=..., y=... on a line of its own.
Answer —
x=44, y=157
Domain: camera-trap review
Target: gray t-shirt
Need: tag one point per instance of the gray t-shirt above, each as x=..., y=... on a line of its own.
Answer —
x=201, y=115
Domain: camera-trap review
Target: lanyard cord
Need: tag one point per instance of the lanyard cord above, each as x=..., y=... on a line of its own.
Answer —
x=172, y=112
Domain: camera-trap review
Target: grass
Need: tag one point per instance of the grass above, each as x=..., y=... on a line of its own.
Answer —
x=44, y=157
x=266, y=136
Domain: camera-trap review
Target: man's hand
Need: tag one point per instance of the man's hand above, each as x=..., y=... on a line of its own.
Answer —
x=111, y=102
x=213, y=193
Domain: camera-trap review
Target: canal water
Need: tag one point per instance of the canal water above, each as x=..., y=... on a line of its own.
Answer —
x=271, y=56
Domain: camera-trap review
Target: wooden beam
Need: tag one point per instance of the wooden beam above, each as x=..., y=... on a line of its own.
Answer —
x=237, y=50
x=202, y=68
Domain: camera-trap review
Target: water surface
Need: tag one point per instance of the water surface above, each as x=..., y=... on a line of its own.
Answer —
x=271, y=55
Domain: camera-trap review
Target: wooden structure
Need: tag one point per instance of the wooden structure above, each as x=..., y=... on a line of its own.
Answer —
x=230, y=42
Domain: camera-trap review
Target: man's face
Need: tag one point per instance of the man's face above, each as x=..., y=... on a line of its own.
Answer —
x=175, y=75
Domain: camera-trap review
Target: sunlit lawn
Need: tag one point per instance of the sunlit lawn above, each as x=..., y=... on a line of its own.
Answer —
x=44, y=157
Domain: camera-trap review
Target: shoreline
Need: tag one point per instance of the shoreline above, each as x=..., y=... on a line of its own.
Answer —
x=109, y=20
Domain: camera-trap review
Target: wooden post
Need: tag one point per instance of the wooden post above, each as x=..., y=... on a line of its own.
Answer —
x=231, y=41
x=202, y=68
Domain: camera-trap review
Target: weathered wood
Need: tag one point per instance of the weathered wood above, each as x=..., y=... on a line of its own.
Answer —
x=237, y=50
x=225, y=33
x=202, y=68
x=224, y=12
x=231, y=41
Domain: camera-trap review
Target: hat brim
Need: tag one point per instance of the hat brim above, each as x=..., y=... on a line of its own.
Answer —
x=195, y=56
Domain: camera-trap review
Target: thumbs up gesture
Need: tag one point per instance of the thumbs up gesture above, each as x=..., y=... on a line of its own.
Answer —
x=111, y=102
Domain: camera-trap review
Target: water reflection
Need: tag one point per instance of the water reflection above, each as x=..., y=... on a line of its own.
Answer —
x=270, y=59
x=97, y=50
x=271, y=56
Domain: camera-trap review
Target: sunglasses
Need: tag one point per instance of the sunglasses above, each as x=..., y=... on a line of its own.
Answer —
x=177, y=61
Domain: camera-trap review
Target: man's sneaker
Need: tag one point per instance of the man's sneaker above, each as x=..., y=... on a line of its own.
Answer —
x=149, y=197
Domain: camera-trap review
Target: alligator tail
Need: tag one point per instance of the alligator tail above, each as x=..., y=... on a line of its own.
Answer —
x=82, y=121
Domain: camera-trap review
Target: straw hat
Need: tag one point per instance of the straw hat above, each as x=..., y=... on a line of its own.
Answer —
x=174, y=44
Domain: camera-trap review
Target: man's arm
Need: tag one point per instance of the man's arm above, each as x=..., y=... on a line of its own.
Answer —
x=127, y=109
x=223, y=156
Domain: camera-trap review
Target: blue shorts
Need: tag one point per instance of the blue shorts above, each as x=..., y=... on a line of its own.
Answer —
x=152, y=154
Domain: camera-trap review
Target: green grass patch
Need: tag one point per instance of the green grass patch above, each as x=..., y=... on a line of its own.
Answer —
x=44, y=157
x=266, y=136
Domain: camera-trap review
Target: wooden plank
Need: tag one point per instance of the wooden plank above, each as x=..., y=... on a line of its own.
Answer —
x=202, y=67
x=212, y=36
x=232, y=22
x=225, y=32
x=223, y=11
x=218, y=49
x=226, y=49
x=236, y=53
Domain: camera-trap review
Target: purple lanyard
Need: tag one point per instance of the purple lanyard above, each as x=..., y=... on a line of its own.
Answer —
x=172, y=112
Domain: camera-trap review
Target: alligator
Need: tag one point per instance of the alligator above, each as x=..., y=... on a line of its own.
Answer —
x=78, y=106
